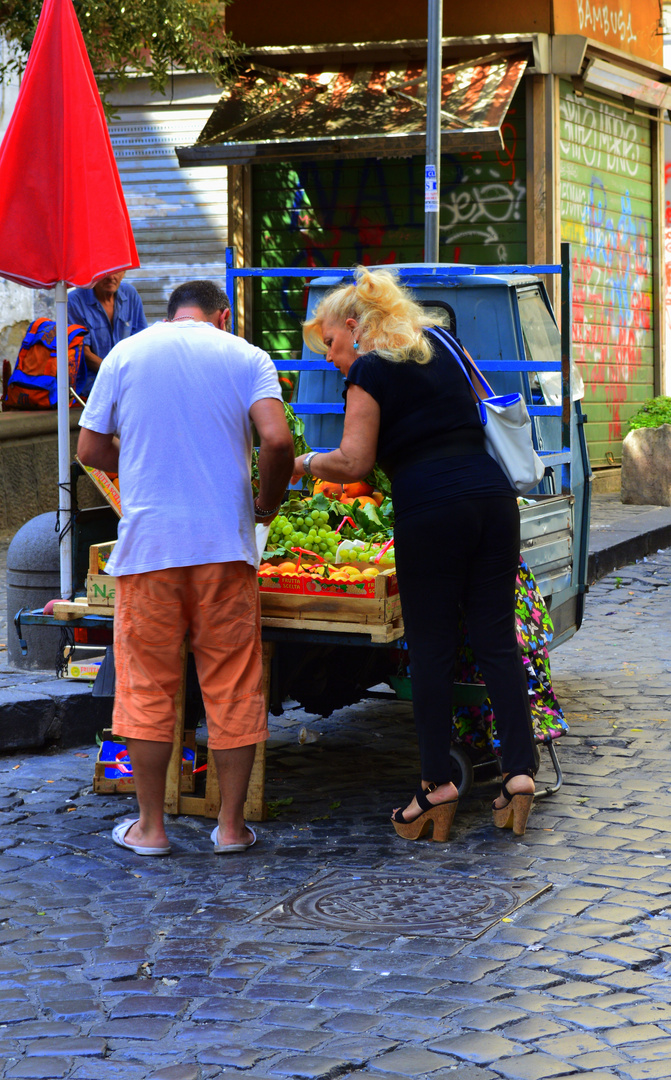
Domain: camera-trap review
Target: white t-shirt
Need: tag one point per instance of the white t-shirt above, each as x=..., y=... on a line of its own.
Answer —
x=178, y=396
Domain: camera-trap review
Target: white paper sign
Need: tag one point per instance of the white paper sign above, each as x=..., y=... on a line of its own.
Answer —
x=430, y=190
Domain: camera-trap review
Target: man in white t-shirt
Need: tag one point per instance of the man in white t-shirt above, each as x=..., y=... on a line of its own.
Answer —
x=172, y=411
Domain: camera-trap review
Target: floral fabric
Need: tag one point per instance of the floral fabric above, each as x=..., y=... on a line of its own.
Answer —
x=475, y=724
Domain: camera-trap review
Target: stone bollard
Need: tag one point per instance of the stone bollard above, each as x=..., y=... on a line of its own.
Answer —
x=646, y=466
x=33, y=578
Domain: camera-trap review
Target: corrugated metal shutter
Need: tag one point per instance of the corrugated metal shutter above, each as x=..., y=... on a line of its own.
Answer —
x=606, y=213
x=179, y=216
x=372, y=211
x=666, y=389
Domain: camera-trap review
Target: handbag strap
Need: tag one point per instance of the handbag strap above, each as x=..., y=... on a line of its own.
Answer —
x=439, y=333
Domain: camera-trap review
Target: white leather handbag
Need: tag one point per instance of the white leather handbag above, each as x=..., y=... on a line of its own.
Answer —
x=506, y=422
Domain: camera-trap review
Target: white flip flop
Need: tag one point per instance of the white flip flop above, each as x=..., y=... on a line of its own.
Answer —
x=119, y=837
x=230, y=849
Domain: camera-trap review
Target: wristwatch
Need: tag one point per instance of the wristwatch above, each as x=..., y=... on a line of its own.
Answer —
x=306, y=463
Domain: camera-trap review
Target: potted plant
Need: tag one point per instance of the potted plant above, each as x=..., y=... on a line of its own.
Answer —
x=646, y=455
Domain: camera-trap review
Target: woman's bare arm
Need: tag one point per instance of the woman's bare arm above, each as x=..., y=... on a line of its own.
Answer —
x=355, y=457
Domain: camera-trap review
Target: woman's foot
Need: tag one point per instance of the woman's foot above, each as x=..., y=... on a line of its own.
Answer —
x=511, y=809
x=441, y=794
x=520, y=784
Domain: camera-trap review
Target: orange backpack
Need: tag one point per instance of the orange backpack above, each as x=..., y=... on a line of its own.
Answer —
x=33, y=383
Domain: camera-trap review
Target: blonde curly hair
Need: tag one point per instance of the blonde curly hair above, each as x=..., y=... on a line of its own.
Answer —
x=390, y=321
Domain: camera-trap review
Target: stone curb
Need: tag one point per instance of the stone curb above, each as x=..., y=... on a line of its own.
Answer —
x=627, y=550
x=51, y=712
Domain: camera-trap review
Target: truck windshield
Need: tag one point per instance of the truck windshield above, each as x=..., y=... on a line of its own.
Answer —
x=542, y=343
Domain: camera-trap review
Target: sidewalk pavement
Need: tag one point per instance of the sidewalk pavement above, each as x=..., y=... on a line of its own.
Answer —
x=621, y=534
x=37, y=709
x=334, y=949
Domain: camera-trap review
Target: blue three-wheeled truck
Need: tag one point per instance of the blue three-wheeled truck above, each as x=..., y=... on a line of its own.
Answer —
x=504, y=318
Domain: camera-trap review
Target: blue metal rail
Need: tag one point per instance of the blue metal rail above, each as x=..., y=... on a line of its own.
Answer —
x=423, y=271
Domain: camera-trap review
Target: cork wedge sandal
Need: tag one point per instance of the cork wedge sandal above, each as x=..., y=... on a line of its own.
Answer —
x=515, y=813
x=435, y=816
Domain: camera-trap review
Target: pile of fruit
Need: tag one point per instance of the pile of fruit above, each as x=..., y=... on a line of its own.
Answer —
x=319, y=524
x=349, y=494
x=304, y=528
x=322, y=537
x=339, y=573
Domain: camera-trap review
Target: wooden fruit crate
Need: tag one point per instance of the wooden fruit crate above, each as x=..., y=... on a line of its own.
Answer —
x=124, y=784
x=371, y=607
x=100, y=587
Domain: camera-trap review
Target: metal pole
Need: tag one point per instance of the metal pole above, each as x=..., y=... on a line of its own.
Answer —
x=434, y=64
x=63, y=386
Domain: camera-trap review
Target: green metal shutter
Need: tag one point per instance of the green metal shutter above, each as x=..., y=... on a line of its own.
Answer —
x=372, y=211
x=606, y=213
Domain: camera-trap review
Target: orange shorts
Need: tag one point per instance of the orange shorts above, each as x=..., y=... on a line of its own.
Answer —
x=218, y=605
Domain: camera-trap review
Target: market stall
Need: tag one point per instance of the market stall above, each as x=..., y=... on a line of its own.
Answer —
x=320, y=584
x=327, y=578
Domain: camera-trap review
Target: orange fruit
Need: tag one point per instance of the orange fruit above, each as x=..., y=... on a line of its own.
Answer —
x=328, y=488
x=286, y=568
x=359, y=487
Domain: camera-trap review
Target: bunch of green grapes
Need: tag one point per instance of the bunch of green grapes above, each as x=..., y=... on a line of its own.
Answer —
x=367, y=554
x=310, y=531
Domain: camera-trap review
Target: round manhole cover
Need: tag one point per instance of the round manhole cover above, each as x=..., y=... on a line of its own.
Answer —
x=448, y=904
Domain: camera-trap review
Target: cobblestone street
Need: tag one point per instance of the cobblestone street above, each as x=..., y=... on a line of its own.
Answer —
x=196, y=966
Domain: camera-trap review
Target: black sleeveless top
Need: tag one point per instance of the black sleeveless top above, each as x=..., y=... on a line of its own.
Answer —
x=431, y=442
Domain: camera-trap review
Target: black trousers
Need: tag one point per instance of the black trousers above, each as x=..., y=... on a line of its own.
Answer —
x=464, y=554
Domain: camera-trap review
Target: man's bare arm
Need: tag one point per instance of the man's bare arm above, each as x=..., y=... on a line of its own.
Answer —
x=276, y=453
x=98, y=450
x=93, y=361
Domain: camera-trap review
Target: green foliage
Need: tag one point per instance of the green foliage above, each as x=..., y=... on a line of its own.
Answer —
x=379, y=481
x=124, y=37
x=653, y=413
x=297, y=429
x=278, y=806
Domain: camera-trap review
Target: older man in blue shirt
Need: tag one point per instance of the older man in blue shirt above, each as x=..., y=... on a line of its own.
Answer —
x=110, y=311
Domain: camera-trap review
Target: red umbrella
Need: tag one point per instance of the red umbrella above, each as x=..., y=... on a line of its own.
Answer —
x=63, y=216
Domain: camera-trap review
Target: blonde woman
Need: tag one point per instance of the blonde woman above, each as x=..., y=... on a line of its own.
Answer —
x=457, y=531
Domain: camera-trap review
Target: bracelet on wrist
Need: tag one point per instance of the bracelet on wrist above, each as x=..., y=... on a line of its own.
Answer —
x=258, y=512
x=306, y=464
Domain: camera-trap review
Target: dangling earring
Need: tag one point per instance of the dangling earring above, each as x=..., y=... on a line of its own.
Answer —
x=355, y=344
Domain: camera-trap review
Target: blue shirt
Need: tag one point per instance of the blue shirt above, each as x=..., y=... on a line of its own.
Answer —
x=86, y=310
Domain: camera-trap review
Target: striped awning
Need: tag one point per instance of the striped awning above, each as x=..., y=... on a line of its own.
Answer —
x=359, y=110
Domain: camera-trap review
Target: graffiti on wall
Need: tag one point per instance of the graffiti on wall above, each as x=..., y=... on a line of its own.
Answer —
x=371, y=212
x=612, y=264
x=599, y=137
x=667, y=255
x=480, y=201
x=605, y=21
